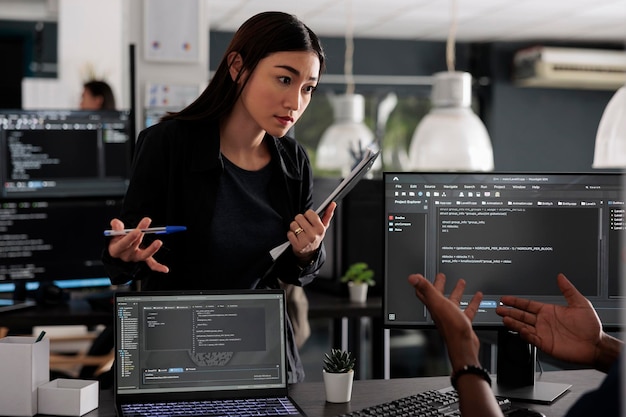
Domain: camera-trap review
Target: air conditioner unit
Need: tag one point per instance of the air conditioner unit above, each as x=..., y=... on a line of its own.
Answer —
x=544, y=66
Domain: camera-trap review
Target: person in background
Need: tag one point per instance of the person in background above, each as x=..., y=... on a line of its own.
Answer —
x=97, y=95
x=224, y=168
x=572, y=333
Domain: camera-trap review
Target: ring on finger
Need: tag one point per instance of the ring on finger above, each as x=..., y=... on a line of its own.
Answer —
x=298, y=231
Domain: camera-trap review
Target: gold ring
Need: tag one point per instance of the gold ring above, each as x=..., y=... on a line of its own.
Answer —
x=298, y=231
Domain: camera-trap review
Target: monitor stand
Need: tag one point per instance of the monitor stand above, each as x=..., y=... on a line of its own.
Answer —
x=516, y=372
x=19, y=292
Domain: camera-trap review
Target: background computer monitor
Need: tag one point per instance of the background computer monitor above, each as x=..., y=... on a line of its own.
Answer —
x=54, y=239
x=63, y=175
x=56, y=153
x=505, y=234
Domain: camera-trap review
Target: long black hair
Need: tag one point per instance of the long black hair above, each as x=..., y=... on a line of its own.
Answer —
x=258, y=37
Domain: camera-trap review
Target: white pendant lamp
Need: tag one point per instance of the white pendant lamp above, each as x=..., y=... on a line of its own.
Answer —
x=344, y=141
x=451, y=137
x=610, y=149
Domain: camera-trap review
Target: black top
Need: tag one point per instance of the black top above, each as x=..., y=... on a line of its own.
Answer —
x=244, y=225
x=604, y=400
x=177, y=170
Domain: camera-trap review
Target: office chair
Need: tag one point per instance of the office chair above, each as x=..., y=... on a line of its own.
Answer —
x=95, y=364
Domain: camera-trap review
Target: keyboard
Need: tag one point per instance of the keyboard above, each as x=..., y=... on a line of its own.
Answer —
x=244, y=407
x=443, y=402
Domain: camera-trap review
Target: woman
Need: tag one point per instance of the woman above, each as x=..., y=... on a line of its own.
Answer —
x=97, y=95
x=224, y=169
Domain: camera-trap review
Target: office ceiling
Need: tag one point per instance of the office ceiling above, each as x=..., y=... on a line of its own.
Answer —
x=477, y=20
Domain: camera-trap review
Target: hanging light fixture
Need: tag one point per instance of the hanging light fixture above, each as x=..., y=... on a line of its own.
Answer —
x=451, y=137
x=610, y=149
x=344, y=142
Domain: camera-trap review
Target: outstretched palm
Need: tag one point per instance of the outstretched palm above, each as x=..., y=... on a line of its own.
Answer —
x=568, y=332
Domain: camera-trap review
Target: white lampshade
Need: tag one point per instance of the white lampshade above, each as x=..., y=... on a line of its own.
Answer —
x=342, y=143
x=451, y=137
x=610, y=150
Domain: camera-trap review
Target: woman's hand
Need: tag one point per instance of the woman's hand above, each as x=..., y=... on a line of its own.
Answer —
x=307, y=231
x=128, y=247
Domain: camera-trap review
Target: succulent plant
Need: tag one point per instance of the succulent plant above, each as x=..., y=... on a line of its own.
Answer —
x=338, y=361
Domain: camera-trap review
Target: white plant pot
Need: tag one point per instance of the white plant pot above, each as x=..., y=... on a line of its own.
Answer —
x=338, y=386
x=358, y=292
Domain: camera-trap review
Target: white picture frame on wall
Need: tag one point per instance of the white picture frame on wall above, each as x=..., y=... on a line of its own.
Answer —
x=172, y=31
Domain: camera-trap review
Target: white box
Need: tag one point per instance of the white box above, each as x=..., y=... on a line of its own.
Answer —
x=68, y=397
x=24, y=366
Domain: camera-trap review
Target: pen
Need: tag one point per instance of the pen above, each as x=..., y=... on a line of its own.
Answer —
x=40, y=337
x=164, y=230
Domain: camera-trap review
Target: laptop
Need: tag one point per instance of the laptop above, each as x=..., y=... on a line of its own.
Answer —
x=201, y=349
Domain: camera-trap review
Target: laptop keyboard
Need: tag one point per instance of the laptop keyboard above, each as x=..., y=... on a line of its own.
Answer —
x=428, y=403
x=214, y=408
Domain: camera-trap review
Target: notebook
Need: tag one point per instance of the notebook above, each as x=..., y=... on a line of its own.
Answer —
x=200, y=349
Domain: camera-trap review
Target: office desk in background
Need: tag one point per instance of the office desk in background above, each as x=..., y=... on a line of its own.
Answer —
x=79, y=311
x=74, y=312
x=366, y=393
x=348, y=329
x=357, y=327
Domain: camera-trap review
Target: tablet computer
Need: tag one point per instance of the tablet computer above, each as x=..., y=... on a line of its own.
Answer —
x=344, y=187
x=351, y=180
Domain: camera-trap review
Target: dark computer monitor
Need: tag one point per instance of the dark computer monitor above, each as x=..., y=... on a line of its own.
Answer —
x=54, y=239
x=63, y=175
x=55, y=153
x=505, y=234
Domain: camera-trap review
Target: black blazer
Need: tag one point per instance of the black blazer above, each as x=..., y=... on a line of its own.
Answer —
x=176, y=171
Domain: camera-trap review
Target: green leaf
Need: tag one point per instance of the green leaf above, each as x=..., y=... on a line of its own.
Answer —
x=338, y=361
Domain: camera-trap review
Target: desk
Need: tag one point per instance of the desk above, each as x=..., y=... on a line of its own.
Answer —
x=78, y=311
x=323, y=305
x=349, y=332
x=366, y=393
x=75, y=312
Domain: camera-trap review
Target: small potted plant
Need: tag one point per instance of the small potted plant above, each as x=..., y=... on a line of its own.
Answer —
x=338, y=375
x=359, y=277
